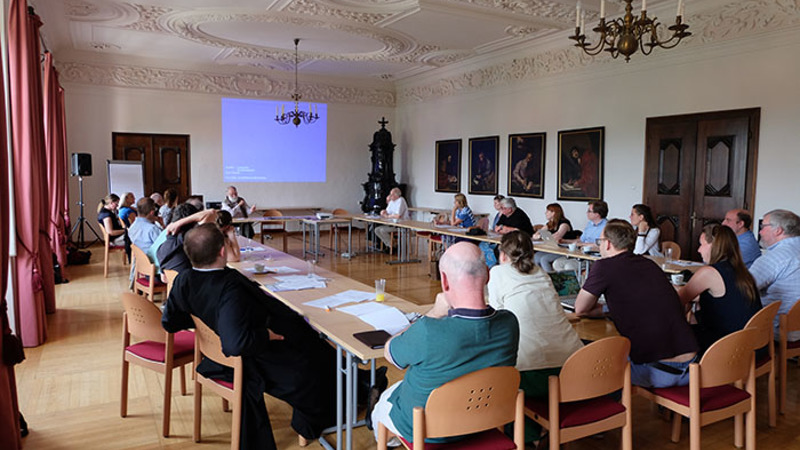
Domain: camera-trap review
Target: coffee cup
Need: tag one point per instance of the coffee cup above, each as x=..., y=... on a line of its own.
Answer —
x=260, y=267
x=677, y=278
x=573, y=246
x=586, y=249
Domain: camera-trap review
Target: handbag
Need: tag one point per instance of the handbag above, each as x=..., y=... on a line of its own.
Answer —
x=13, y=351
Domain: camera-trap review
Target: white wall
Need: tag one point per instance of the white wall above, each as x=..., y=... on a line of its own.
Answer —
x=94, y=112
x=759, y=73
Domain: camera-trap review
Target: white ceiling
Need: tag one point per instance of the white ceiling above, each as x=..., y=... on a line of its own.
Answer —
x=375, y=39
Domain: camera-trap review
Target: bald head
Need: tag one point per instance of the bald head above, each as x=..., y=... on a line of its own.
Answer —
x=464, y=274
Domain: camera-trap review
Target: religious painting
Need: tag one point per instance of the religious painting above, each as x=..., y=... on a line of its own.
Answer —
x=483, y=165
x=580, y=164
x=448, y=165
x=526, y=165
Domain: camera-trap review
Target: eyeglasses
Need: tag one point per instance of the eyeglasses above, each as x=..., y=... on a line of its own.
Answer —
x=764, y=225
x=599, y=240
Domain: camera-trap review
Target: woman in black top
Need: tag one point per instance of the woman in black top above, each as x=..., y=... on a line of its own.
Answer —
x=728, y=293
x=561, y=228
x=108, y=219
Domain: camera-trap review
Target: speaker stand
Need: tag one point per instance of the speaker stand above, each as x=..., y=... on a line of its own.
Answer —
x=82, y=221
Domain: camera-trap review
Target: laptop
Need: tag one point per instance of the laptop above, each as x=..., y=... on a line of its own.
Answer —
x=567, y=286
x=547, y=237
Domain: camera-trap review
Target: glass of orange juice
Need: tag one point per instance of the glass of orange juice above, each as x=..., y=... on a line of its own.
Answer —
x=380, y=290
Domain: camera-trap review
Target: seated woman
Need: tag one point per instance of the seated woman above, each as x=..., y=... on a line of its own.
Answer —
x=460, y=216
x=224, y=222
x=546, y=338
x=728, y=293
x=647, y=231
x=560, y=227
x=127, y=211
x=107, y=218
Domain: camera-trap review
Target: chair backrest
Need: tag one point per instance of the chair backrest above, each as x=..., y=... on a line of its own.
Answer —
x=763, y=322
x=729, y=359
x=340, y=212
x=676, y=249
x=171, y=276
x=143, y=318
x=793, y=317
x=273, y=225
x=106, y=237
x=473, y=402
x=142, y=265
x=595, y=370
x=209, y=344
x=483, y=223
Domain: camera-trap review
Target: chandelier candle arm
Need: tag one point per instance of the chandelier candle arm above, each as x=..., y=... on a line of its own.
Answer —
x=297, y=116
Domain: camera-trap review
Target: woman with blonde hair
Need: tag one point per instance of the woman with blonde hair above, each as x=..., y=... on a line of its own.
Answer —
x=728, y=293
x=127, y=209
x=460, y=216
x=546, y=338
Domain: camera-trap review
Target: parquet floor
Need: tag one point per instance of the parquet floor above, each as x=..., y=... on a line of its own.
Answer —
x=69, y=387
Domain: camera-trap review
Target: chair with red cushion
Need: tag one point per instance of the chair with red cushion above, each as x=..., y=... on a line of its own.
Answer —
x=579, y=404
x=171, y=275
x=787, y=349
x=158, y=350
x=479, y=404
x=145, y=280
x=763, y=322
x=208, y=344
x=109, y=248
x=715, y=390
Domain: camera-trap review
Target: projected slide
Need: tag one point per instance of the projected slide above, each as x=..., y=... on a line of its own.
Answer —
x=255, y=148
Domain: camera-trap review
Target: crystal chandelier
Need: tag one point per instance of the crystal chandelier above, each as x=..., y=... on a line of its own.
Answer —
x=296, y=116
x=624, y=35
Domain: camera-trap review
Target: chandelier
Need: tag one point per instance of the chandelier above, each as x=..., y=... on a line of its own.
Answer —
x=296, y=116
x=624, y=35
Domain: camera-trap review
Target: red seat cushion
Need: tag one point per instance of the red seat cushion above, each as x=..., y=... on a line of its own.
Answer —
x=183, y=345
x=574, y=414
x=223, y=383
x=763, y=360
x=436, y=238
x=793, y=344
x=492, y=439
x=710, y=398
x=145, y=281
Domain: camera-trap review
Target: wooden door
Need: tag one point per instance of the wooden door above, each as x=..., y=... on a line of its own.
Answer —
x=165, y=159
x=697, y=167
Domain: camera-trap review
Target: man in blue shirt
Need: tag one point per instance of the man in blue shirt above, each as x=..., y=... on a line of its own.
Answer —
x=596, y=213
x=459, y=335
x=740, y=221
x=145, y=230
x=777, y=272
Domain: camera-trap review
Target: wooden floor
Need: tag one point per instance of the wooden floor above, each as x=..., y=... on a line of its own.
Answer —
x=69, y=387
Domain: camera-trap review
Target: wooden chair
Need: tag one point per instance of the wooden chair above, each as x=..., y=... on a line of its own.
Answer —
x=274, y=227
x=338, y=212
x=676, y=249
x=763, y=322
x=787, y=349
x=479, y=402
x=145, y=280
x=171, y=276
x=109, y=247
x=208, y=344
x=579, y=404
x=159, y=351
x=715, y=390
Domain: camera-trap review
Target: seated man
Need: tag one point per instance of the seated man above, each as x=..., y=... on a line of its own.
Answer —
x=283, y=356
x=596, y=213
x=459, y=335
x=510, y=218
x=396, y=208
x=777, y=272
x=167, y=250
x=740, y=222
x=145, y=230
x=644, y=306
x=238, y=207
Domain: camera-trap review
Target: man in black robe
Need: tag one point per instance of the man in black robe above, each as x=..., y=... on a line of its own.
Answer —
x=282, y=355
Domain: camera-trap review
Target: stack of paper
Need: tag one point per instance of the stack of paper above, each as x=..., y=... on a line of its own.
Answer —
x=380, y=316
x=333, y=301
x=297, y=283
x=277, y=269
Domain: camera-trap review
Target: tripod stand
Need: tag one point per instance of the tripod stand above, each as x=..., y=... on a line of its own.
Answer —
x=82, y=221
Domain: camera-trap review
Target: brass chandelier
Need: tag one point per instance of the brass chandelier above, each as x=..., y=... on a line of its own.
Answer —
x=624, y=35
x=296, y=116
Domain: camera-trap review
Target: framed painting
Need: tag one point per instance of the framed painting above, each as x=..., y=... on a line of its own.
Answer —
x=526, y=165
x=448, y=165
x=483, y=165
x=580, y=164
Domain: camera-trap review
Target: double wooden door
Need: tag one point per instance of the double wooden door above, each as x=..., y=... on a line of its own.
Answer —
x=165, y=158
x=697, y=167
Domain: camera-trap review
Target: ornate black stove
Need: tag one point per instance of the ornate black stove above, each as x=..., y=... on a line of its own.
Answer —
x=381, y=179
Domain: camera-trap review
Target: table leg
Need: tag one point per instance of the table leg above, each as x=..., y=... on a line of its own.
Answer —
x=303, y=225
x=349, y=406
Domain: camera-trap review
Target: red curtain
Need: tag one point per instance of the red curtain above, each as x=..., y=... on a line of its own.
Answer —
x=9, y=410
x=56, y=160
x=34, y=264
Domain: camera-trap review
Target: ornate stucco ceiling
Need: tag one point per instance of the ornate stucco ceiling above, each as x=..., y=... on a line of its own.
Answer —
x=350, y=50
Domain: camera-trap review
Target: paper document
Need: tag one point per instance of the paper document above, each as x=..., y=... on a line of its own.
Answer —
x=278, y=269
x=297, y=283
x=680, y=262
x=341, y=298
x=380, y=316
x=252, y=249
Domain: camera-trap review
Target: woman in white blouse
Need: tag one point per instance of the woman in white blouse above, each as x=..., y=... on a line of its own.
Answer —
x=647, y=232
x=546, y=338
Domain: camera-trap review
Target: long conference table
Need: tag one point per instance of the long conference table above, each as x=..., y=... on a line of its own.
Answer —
x=337, y=327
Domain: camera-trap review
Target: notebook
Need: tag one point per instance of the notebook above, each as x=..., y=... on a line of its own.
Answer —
x=567, y=286
x=373, y=339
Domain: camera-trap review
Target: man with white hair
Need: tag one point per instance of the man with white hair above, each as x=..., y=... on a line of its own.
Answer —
x=510, y=218
x=777, y=272
x=459, y=335
x=396, y=208
x=238, y=207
